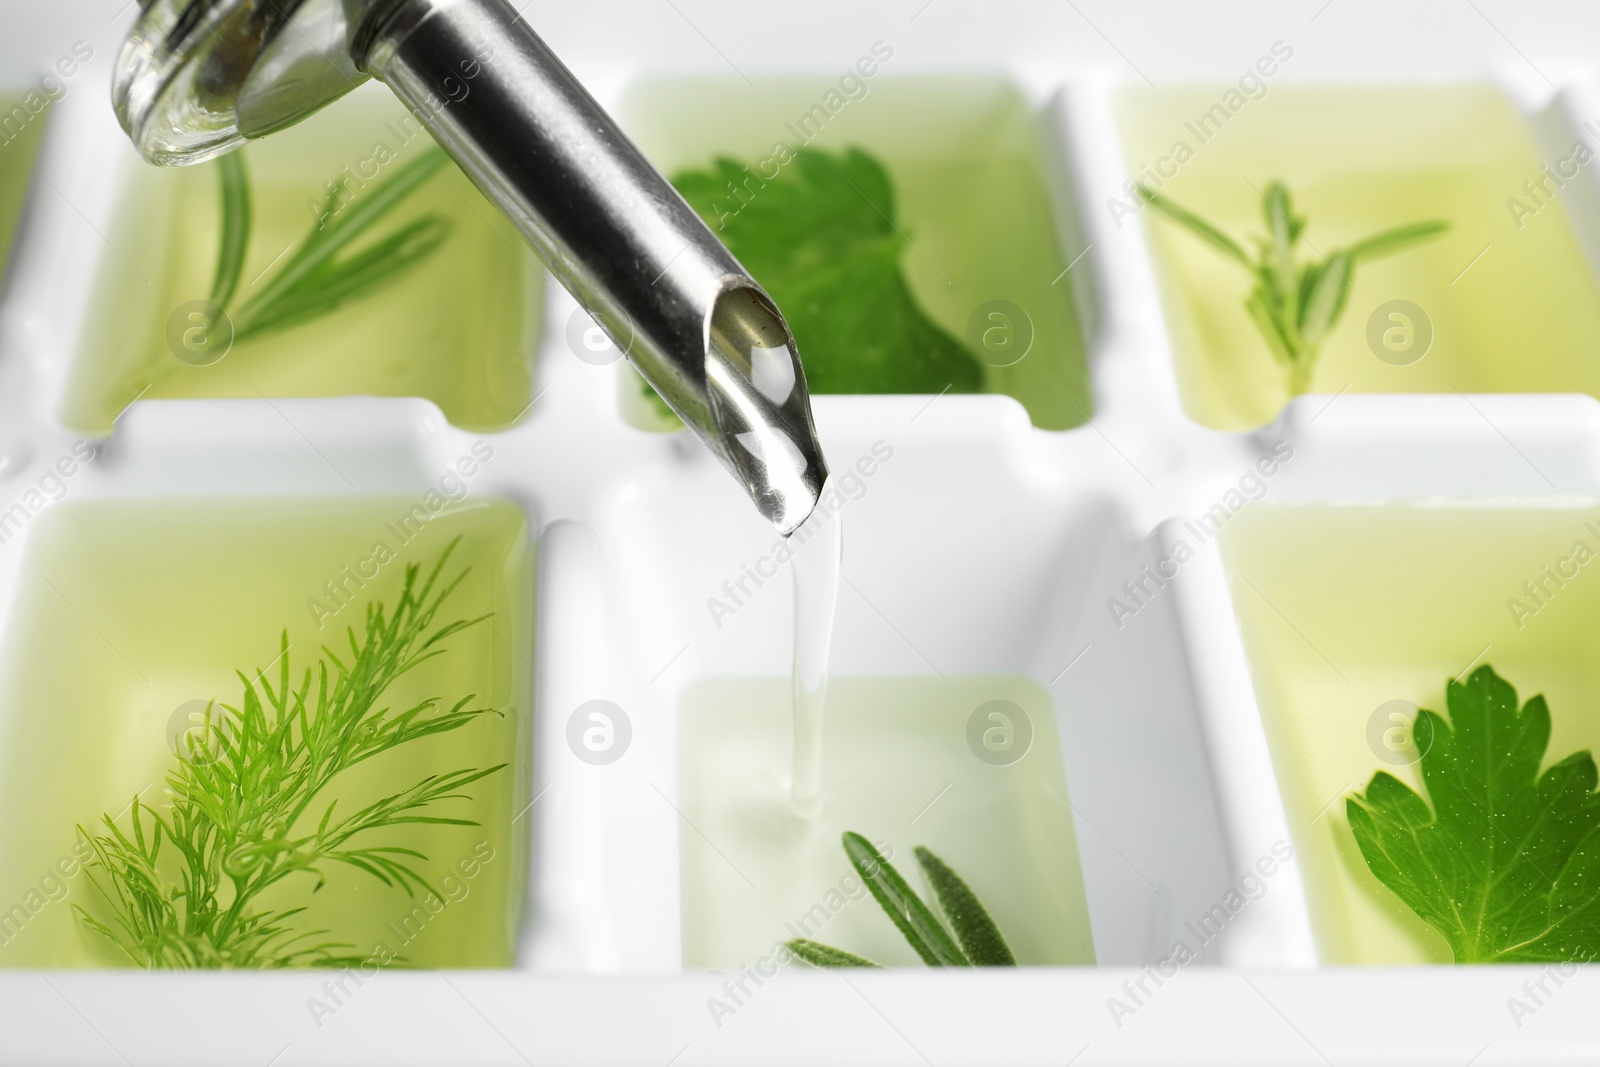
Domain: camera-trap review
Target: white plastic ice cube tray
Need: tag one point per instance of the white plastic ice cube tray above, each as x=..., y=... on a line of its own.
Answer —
x=982, y=546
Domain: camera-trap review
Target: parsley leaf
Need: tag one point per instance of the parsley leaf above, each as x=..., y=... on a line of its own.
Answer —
x=1506, y=862
x=821, y=237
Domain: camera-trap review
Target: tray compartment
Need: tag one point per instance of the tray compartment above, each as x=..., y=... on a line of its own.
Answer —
x=459, y=328
x=1403, y=597
x=1005, y=590
x=1510, y=276
x=976, y=195
x=129, y=615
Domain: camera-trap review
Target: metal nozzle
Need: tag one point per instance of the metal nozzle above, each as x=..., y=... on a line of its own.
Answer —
x=613, y=231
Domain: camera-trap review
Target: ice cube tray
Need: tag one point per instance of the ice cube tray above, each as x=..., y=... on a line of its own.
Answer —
x=977, y=544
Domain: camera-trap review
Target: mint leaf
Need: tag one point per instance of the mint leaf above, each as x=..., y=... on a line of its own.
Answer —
x=1505, y=864
x=822, y=238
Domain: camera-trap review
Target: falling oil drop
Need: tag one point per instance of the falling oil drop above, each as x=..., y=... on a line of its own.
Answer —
x=818, y=547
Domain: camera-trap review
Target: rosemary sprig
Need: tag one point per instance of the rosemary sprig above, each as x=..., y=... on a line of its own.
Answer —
x=1295, y=306
x=323, y=274
x=977, y=942
x=980, y=937
x=244, y=812
x=236, y=221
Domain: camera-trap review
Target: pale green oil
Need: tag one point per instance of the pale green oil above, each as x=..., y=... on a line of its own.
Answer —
x=1520, y=319
x=969, y=170
x=460, y=329
x=128, y=609
x=19, y=149
x=896, y=768
x=1345, y=608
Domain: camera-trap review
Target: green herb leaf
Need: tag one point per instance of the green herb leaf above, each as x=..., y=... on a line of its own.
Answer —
x=822, y=239
x=1258, y=305
x=825, y=956
x=916, y=923
x=979, y=936
x=1328, y=288
x=234, y=188
x=354, y=277
x=235, y=817
x=1277, y=208
x=981, y=942
x=322, y=245
x=316, y=281
x=1505, y=863
x=1295, y=308
x=1198, y=226
x=1398, y=239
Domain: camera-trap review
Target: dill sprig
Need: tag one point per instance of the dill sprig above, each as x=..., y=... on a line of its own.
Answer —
x=1294, y=305
x=322, y=275
x=243, y=810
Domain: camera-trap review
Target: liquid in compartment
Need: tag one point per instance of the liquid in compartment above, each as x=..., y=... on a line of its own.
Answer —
x=1507, y=298
x=1355, y=616
x=458, y=326
x=899, y=768
x=132, y=615
x=967, y=214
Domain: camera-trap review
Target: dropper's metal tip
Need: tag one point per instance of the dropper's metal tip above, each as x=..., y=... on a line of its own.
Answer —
x=761, y=407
